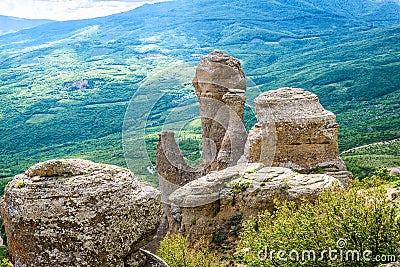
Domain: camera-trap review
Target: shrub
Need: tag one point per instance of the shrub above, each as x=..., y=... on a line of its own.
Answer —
x=241, y=185
x=220, y=237
x=4, y=262
x=342, y=220
x=174, y=250
x=20, y=184
x=381, y=176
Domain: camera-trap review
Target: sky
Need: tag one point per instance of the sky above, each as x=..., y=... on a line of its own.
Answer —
x=67, y=9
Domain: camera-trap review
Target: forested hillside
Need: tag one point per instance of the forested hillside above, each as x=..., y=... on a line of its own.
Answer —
x=65, y=86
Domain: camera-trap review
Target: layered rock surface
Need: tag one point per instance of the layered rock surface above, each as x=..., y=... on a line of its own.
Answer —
x=78, y=213
x=208, y=206
x=296, y=132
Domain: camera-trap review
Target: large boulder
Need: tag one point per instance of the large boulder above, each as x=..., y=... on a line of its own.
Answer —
x=296, y=132
x=78, y=213
x=217, y=204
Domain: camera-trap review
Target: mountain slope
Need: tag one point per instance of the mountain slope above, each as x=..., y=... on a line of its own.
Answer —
x=13, y=24
x=65, y=86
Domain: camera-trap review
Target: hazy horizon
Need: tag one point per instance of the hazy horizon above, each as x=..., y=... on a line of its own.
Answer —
x=68, y=10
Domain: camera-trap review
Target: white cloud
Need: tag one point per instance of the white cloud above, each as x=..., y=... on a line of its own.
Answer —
x=66, y=9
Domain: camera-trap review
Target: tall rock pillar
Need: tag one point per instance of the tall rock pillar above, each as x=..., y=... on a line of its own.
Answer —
x=220, y=84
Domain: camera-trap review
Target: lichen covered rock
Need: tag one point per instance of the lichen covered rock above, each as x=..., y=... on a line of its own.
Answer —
x=78, y=213
x=210, y=204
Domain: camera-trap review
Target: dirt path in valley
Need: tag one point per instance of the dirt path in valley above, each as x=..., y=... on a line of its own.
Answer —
x=354, y=149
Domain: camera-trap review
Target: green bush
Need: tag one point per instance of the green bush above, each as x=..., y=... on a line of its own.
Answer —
x=220, y=237
x=174, y=250
x=379, y=177
x=241, y=185
x=343, y=220
x=4, y=262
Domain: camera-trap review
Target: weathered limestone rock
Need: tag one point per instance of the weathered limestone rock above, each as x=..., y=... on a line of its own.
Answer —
x=211, y=204
x=170, y=163
x=296, y=132
x=78, y=213
x=220, y=85
x=394, y=170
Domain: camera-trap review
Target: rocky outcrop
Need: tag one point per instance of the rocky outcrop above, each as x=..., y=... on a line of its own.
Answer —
x=217, y=204
x=220, y=85
x=394, y=170
x=294, y=135
x=296, y=132
x=76, y=212
x=171, y=165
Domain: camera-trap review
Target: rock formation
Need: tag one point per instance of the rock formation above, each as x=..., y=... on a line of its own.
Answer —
x=220, y=85
x=171, y=165
x=76, y=212
x=217, y=204
x=296, y=132
x=393, y=193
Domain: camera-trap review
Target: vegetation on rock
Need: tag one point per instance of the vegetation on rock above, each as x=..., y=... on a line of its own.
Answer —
x=360, y=218
x=174, y=250
x=355, y=219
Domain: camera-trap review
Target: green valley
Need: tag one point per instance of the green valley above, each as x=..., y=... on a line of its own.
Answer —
x=65, y=87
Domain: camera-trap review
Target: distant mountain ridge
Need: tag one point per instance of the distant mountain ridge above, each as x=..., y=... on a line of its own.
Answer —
x=12, y=24
x=385, y=12
x=345, y=53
